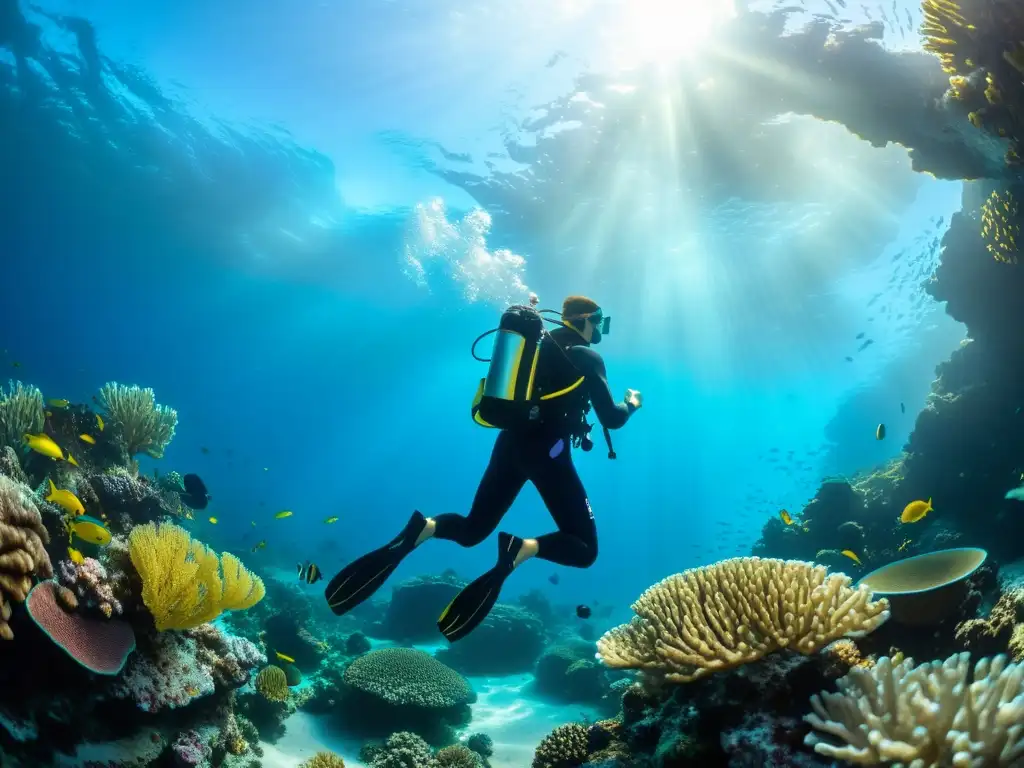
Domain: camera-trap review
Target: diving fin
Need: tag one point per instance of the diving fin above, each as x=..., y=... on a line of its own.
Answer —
x=472, y=605
x=358, y=580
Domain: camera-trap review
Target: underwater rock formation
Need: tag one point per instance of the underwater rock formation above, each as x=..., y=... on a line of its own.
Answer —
x=411, y=613
x=507, y=642
x=568, y=672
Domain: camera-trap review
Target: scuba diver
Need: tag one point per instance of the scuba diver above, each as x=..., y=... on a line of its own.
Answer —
x=539, y=390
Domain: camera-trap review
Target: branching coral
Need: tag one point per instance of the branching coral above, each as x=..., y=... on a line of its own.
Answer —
x=735, y=611
x=22, y=552
x=183, y=582
x=1000, y=226
x=21, y=411
x=145, y=426
x=564, y=746
x=926, y=716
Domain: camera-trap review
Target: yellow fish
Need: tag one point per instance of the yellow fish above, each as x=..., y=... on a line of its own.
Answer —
x=48, y=413
x=330, y=520
x=916, y=510
x=58, y=403
x=99, y=422
x=66, y=500
x=44, y=444
x=260, y=546
x=284, y=514
x=213, y=520
x=76, y=556
x=189, y=514
x=89, y=529
x=282, y=657
x=852, y=555
x=785, y=517
x=71, y=460
x=87, y=439
x=903, y=546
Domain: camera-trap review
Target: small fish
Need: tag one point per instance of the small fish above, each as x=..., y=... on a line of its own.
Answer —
x=553, y=578
x=15, y=364
x=99, y=420
x=260, y=546
x=189, y=515
x=204, y=449
x=915, y=510
x=332, y=519
x=49, y=414
x=44, y=444
x=71, y=460
x=1015, y=494
x=252, y=523
x=583, y=611
x=880, y=432
x=903, y=546
x=785, y=517
x=852, y=555
x=58, y=403
x=195, y=495
x=213, y=520
x=266, y=469
x=849, y=359
x=903, y=408
x=76, y=557
x=309, y=573
x=87, y=439
x=66, y=500
x=282, y=515
x=282, y=657
x=89, y=529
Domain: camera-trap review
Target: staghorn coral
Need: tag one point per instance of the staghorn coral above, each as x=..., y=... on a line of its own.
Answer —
x=926, y=716
x=272, y=683
x=22, y=552
x=735, y=611
x=1000, y=226
x=323, y=760
x=404, y=676
x=100, y=646
x=145, y=427
x=183, y=582
x=21, y=411
x=564, y=747
x=92, y=585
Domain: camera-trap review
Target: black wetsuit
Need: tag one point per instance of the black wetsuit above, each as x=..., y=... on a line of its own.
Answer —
x=541, y=453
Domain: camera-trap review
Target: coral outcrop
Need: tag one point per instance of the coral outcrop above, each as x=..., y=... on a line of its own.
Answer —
x=507, y=642
x=23, y=539
x=735, y=611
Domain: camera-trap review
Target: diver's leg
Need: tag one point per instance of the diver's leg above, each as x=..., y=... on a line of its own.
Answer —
x=358, y=580
x=503, y=479
x=575, y=542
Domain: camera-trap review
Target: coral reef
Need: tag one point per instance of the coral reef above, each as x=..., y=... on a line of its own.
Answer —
x=395, y=689
x=144, y=426
x=411, y=613
x=92, y=584
x=568, y=672
x=165, y=673
x=567, y=745
x=21, y=411
x=735, y=611
x=508, y=641
x=22, y=548
x=183, y=582
x=323, y=760
x=272, y=683
x=930, y=713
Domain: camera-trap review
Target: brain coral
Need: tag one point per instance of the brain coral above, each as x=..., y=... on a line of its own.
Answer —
x=403, y=676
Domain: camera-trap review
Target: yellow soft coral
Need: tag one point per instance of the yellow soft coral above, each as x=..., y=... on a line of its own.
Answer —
x=324, y=760
x=182, y=585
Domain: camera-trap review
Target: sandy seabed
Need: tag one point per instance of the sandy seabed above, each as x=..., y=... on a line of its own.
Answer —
x=515, y=722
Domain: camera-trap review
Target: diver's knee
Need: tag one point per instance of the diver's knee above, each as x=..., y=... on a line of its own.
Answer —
x=590, y=556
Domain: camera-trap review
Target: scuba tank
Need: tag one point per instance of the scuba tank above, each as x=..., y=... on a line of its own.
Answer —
x=504, y=398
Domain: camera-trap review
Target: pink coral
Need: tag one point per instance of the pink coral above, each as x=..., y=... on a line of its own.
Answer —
x=189, y=749
x=92, y=584
x=232, y=659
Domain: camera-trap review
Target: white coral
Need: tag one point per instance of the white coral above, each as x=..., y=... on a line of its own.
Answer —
x=924, y=717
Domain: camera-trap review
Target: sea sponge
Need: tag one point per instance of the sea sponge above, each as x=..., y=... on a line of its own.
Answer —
x=21, y=411
x=272, y=683
x=99, y=645
x=735, y=611
x=564, y=746
x=404, y=676
x=923, y=716
x=323, y=760
x=182, y=583
x=145, y=426
x=22, y=552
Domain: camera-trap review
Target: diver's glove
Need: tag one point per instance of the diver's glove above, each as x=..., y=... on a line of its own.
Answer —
x=634, y=400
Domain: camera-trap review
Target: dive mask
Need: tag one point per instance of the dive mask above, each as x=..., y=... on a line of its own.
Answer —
x=602, y=324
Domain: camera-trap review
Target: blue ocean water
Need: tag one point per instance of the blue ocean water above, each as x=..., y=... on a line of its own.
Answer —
x=292, y=219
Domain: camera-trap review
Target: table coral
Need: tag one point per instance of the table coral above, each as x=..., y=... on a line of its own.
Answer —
x=22, y=547
x=735, y=611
